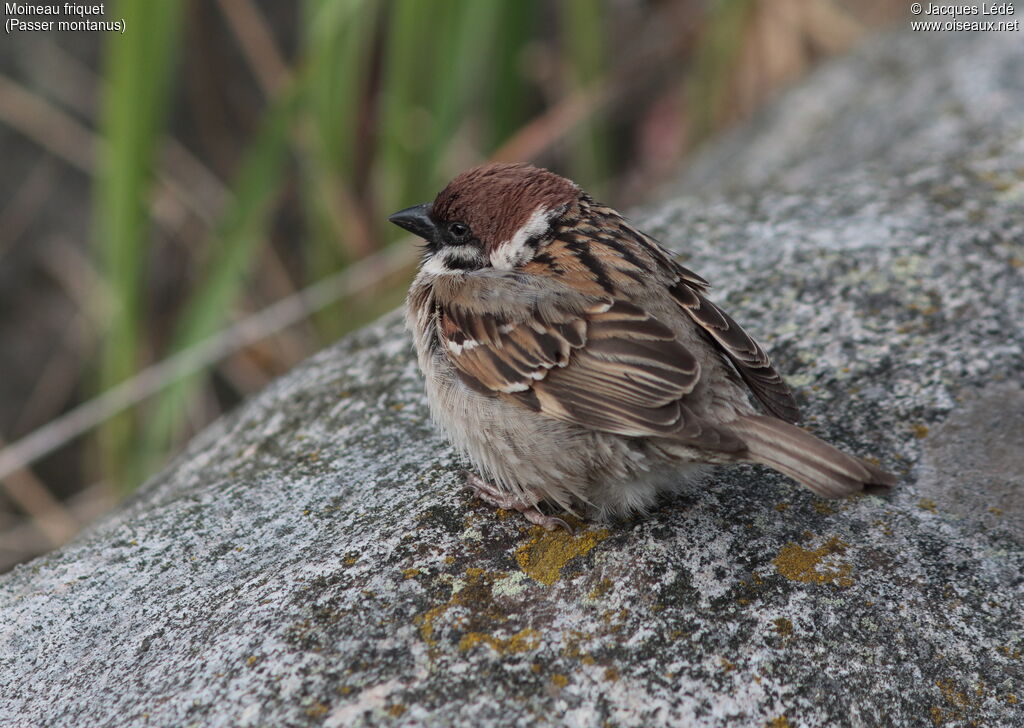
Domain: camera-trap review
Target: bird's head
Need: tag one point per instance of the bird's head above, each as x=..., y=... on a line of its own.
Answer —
x=494, y=216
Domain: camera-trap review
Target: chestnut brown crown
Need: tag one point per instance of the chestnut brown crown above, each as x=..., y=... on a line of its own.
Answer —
x=496, y=200
x=484, y=209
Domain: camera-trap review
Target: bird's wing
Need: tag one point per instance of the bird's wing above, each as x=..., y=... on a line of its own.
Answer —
x=607, y=366
x=733, y=343
x=749, y=359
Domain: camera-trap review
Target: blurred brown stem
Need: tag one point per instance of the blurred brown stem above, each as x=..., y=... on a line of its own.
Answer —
x=257, y=43
x=357, y=277
x=28, y=493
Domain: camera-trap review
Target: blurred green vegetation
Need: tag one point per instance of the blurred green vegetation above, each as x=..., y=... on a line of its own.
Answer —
x=139, y=67
x=323, y=116
x=383, y=103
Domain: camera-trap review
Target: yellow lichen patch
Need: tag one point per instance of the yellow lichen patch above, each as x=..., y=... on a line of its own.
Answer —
x=572, y=647
x=615, y=618
x=426, y=622
x=522, y=641
x=559, y=680
x=927, y=504
x=547, y=552
x=611, y=674
x=959, y=704
x=885, y=527
x=799, y=564
x=920, y=431
x=601, y=589
x=397, y=710
x=1013, y=652
x=317, y=710
x=825, y=508
x=780, y=722
x=410, y=573
x=475, y=592
x=951, y=694
x=726, y=665
x=783, y=626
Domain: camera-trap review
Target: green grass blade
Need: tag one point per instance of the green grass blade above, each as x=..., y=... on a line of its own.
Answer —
x=466, y=36
x=587, y=48
x=510, y=99
x=407, y=105
x=339, y=43
x=715, y=59
x=236, y=243
x=137, y=72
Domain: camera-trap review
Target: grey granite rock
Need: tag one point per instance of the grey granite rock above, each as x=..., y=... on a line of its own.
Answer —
x=311, y=560
x=903, y=101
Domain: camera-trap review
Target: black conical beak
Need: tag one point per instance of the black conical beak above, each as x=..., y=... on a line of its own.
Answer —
x=417, y=221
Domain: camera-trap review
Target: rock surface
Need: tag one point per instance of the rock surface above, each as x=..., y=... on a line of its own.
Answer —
x=311, y=560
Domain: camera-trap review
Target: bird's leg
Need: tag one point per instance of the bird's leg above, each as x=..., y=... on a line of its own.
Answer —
x=490, y=493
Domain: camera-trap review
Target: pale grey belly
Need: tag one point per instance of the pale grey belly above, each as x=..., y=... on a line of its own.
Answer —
x=536, y=457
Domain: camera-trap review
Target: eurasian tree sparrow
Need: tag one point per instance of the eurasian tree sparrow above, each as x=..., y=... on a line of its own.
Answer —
x=575, y=362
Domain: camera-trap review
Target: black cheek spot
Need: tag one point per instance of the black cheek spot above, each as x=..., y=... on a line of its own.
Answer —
x=461, y=264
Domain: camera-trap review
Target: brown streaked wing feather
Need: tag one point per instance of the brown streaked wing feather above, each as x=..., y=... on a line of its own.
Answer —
x=614, y=368
x=501, y=356
x=750, y=360
x=691, y=278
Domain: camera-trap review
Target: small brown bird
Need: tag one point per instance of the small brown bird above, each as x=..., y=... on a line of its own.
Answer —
x=576, y=363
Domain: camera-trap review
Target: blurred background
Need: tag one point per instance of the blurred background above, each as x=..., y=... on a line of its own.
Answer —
x=191, y=207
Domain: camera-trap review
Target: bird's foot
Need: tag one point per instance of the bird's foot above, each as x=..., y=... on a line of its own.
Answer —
x=490, y=493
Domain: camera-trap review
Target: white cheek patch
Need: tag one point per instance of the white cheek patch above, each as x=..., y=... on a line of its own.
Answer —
x=435, y=266
x=507, y=256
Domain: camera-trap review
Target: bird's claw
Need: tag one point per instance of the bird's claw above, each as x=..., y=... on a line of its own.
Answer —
x=496, y=497
x=548, y=523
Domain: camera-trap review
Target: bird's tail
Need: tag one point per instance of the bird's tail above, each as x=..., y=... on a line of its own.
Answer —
x=813, y=462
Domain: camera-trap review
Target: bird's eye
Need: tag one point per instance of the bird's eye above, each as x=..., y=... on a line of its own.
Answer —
x=458, y=230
